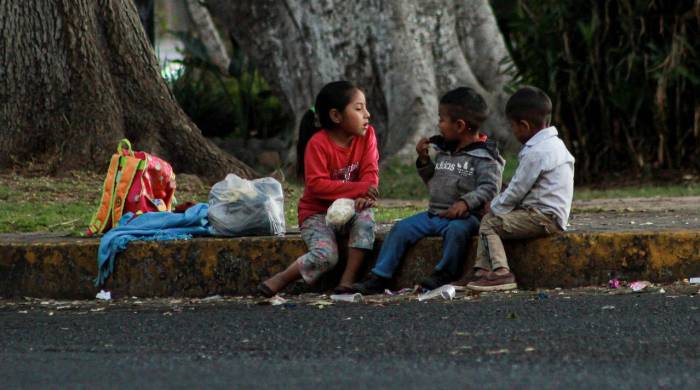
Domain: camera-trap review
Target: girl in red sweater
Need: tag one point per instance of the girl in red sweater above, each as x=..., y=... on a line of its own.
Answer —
x=341, y=161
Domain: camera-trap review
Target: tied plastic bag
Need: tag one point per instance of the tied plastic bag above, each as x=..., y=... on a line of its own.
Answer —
x=340, y=212
x=240, y=207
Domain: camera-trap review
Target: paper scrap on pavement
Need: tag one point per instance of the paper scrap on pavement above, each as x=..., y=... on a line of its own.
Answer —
x=277, y=300
x=639, y=285
x=104, y=295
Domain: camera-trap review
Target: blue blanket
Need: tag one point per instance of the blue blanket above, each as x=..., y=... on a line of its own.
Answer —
x=149, y=226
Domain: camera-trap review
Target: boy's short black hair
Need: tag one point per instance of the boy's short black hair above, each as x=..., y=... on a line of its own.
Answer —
x=530, y=104
x=466, y=104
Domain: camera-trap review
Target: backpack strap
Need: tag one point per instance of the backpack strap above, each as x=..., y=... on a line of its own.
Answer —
x=122, y=151
x=130, y=166
x=101, y=218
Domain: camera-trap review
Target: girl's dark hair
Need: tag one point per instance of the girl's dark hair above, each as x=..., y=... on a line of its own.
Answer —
x=335, y=95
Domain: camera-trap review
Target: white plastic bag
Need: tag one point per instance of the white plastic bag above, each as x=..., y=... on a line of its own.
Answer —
x=240, y=207
x=340, y=212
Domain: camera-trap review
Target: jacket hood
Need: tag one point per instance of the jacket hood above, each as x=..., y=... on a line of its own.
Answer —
x=486, y=148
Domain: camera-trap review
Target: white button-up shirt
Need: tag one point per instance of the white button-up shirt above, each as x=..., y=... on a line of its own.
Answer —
x=544, y=179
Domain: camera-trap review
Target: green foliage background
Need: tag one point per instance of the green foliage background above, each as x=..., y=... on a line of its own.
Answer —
x=237, y=104
x=624, y=77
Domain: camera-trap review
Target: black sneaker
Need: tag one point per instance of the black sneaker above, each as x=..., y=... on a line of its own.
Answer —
x=436, y=279
x=373, y=284
x=341, y=290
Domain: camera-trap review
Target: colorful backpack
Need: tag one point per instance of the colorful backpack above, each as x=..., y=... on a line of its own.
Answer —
x=136, y=182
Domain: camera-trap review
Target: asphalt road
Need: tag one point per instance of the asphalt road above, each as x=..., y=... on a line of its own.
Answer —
x=554, y=340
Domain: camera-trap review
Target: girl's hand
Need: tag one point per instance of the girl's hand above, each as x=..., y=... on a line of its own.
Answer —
x=422, y=149
x=363, y=203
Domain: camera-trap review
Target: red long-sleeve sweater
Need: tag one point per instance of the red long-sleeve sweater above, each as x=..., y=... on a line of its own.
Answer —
x=332, y=171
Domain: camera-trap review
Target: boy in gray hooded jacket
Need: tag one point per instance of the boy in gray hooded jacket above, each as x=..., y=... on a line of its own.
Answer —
x=465, y=175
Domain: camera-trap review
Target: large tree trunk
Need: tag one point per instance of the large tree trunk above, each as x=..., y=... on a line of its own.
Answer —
x=404, y=54
x=208, y=34
x=78, y=75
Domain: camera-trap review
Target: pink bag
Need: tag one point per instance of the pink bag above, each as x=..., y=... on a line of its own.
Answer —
x=136, y=182
x=153, y=188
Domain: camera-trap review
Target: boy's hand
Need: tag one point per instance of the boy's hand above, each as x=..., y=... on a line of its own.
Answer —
x=372, y=193
x=459, y=209
x=422, y=148
x=363, y=203
x=485, y=210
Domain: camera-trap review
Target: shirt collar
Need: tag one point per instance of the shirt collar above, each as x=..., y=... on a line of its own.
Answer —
x=542, y=135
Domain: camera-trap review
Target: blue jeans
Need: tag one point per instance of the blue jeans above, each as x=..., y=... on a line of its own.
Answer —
x=456, y=235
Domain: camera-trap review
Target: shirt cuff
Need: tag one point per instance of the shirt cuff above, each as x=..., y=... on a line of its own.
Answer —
x=499, y=209
x=471, y=201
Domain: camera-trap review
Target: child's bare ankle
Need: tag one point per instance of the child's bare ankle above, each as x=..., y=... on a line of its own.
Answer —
x=276, y=282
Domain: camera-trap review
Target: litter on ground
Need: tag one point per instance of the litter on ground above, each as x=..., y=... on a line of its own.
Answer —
x=447, y=292
x=352, y=298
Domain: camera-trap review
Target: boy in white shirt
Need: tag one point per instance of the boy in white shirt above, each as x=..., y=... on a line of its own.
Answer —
x=538, y=199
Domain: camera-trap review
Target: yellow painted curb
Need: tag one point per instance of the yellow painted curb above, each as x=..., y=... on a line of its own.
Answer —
x=65, y=268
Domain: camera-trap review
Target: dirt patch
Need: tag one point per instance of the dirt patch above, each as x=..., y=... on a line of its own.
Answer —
x=618, y=214
x=635, y=220
x=636, y=214
x=669, y=204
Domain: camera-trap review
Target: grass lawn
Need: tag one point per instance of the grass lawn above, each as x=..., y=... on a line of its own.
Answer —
x=646, y=191
x=43, y=204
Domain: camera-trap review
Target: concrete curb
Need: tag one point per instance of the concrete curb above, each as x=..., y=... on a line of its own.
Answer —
x=64, y=268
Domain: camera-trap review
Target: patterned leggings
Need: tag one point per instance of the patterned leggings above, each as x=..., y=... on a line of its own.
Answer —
x=321, y=241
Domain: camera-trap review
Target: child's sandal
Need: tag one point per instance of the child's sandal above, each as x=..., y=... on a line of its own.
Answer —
x=265, y=291
x=340, y=290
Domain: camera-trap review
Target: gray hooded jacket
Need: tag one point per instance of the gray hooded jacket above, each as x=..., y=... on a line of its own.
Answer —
x=472, y=174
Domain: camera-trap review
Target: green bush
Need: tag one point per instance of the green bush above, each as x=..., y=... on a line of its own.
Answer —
x=239, y=104
x=401, y=181
x=623, y=76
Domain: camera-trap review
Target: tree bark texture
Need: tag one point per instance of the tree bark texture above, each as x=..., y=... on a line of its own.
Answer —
x=78, y=75
x=208, y=34
x=403, y=54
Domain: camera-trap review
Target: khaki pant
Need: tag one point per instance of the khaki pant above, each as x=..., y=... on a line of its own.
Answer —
x=517, y=224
